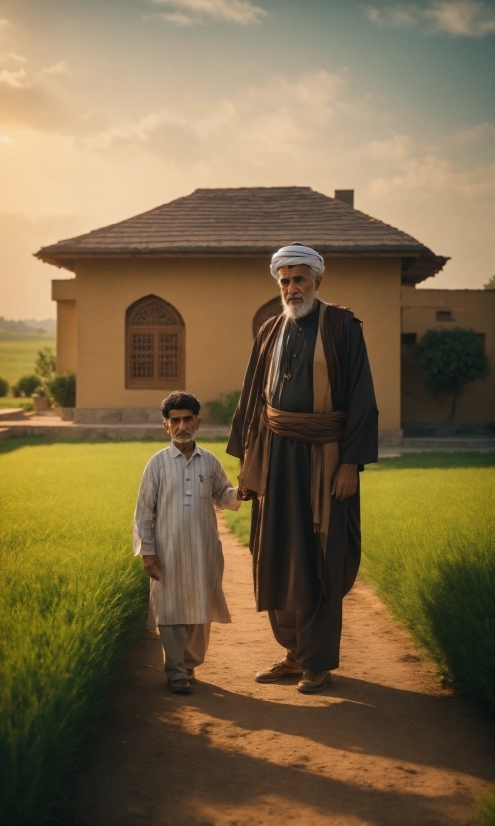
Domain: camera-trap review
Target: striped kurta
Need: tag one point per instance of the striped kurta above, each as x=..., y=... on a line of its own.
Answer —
x=175, y=519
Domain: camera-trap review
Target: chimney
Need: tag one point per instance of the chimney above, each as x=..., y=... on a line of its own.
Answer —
x=345, y=195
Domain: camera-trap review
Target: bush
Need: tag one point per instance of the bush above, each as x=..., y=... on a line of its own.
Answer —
x=222, y=410
x=4, y=387
x=26, y=386
x=63, y=389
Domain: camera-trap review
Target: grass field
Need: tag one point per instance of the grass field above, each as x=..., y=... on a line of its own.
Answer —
x=428, y=548
x=18, y=353
x=72, y=593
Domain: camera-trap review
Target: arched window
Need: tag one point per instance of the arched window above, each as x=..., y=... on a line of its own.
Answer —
x=271, y=308
x=155, y=344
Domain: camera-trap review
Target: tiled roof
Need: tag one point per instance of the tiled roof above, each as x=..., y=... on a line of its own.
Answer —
x=245, y=220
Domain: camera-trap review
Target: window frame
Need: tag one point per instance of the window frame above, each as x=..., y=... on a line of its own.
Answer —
x=154, y=382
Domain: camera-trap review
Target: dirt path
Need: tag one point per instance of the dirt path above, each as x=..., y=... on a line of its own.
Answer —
x=382, y=745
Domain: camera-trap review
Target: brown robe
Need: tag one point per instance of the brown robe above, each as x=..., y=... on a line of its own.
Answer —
x=292, y=572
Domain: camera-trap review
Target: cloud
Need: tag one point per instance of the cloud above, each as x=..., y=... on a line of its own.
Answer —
x=5, y=57
x=263, y=123
x=477, y=134
x=16, y=80
x=460, y=18
x=59, y=68
x=177, y=17
x=4, y=24
x=186, y=12
x=31, y=95
x=425, y=170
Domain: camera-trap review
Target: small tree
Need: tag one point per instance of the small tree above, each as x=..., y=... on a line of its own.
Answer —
x=449, y=359
x=45, y=365
x=490, y=284
x=4, y=387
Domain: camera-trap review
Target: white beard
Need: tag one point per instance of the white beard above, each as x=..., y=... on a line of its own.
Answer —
x=182, y=439
x=298, y=309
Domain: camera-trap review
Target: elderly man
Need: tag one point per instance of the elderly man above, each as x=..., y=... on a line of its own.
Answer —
x=306, y=423
x=175, y=532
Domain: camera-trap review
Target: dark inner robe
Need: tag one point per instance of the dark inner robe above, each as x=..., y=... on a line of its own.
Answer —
x=289, y=541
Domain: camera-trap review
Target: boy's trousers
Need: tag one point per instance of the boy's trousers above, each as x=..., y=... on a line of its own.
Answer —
x=185, y=647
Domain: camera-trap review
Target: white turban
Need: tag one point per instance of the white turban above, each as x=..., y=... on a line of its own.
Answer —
x=296, y=254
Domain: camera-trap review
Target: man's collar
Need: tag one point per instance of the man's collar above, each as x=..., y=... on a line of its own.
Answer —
x=174, y=450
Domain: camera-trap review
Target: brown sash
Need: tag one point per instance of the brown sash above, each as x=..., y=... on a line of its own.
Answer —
x=317, y=428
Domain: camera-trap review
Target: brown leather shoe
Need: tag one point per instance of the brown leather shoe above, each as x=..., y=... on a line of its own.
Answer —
x=278, y=672
x=191, y=677
x=313, y=681
x=179, y=686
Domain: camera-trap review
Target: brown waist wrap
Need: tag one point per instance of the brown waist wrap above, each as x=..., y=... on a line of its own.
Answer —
x=317, y=428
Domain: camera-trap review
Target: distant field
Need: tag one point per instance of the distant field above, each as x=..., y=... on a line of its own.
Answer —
x=18, y=353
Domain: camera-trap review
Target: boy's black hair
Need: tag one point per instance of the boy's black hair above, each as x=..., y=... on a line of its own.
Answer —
x=180, y=400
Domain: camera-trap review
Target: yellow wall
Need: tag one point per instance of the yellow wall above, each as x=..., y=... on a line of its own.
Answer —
x=470, y=308
x=218, y=298
x=64, y=293
x=66, y=336
x=371, y=288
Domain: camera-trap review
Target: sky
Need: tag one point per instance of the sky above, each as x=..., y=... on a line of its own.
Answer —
x=109, y=108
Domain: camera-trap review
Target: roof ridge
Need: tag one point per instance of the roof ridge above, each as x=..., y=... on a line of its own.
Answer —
x=240, y=220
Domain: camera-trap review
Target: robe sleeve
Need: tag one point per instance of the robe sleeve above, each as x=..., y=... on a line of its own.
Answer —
x=224, y=495
x=360, y=443
x=145, y=513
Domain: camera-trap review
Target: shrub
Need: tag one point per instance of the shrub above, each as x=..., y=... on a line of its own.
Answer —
x=222, y=410
x=63, y=389
x=26, y=386
x=4, y=387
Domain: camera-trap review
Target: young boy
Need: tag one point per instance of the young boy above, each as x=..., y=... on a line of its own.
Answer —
x=175, y=531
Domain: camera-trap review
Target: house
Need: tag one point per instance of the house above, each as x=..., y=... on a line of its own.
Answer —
x=171, y=298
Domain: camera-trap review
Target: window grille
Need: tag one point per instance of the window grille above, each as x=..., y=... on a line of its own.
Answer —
x=444, y=315
x=155, y=344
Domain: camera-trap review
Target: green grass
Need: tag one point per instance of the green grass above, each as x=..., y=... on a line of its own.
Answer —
x=486, y=809
x=71, y=594
x=18, y=354
x=428, y=525
x=9, y=401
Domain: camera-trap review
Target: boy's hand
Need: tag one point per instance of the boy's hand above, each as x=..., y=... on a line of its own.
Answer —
x=152, y=566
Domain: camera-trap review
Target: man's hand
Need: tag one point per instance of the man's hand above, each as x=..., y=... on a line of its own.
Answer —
x=245, y=494
x=152, y=566
x=345, y=482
